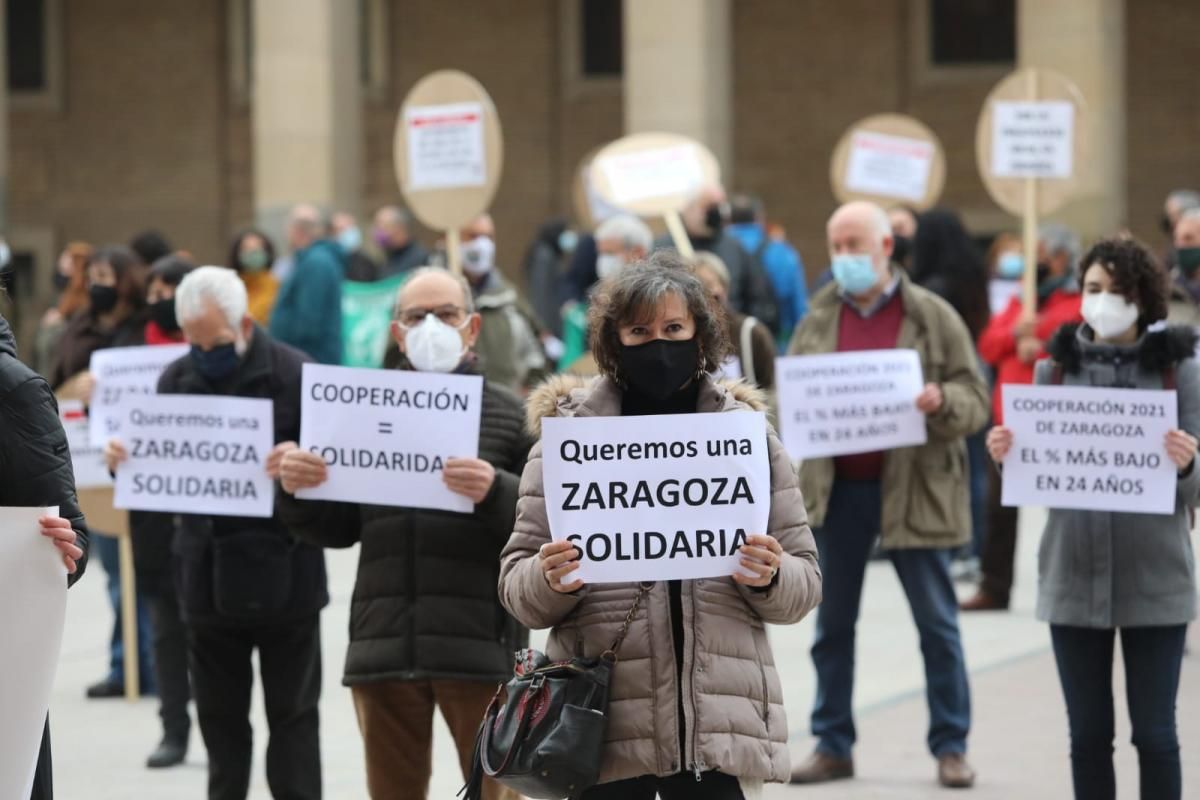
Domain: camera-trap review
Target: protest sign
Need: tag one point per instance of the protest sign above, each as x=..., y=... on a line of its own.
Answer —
x=386, y=434
x=649, y=498
x=367, y=310
x=87, y=460
x=197, y=454
x=1092, y=448
x=448, y=152
x=842, y=403
x=1033, y=139
x=124, y=375
x=655, y=175
x=33, y=594
x=1028, y=141
x=889, y=158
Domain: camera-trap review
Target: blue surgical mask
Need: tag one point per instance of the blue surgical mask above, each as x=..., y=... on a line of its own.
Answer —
x=1010, y=266
x=854, y=272
x=218, y=363
x=568, y=240
x=350, y=240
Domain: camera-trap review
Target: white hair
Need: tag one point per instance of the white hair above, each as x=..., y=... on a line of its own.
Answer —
x=1058, y=238
x=1190, y=214
x=630, y=231
x=217, y=285
x=871, y=213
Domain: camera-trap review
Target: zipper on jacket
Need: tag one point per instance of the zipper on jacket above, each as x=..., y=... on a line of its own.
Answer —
x=412, y=588
x=697, y=766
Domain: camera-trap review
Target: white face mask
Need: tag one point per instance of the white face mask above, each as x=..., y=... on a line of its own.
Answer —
x=1108, y=314
x=434, y=346
x=608, y=264
x=479, y=256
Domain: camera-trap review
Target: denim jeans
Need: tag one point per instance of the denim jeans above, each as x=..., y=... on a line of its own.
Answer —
x=1153, y=657
x=979, y=464
x=844, y=543
x=106, y=549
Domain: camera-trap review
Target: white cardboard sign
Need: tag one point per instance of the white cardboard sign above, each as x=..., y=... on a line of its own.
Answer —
x=1033, y=139
x=197, y=454
x=656, y=497
x=445, y=146
x=889, y=166
x=87, y=460
x=33, y=592
x=386, y=434
x=1090, y=448
x=838, y=404
x=123, y=375
x=644, y=174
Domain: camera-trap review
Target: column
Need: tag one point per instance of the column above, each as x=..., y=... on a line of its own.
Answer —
x=679, y=73
x=1085, y=41
x=306, y=110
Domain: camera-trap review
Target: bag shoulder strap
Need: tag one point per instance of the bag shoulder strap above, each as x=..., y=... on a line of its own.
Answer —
x=1056, y=373
x=610, y=654
x=1169, y=378
x=746, y=336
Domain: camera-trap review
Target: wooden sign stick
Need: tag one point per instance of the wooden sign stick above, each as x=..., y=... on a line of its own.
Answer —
x=1029, y=222
x=129, y=630
x=453, y=252
x=679, y=235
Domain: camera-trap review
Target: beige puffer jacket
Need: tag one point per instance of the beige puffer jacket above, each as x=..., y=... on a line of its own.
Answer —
x=733, y=702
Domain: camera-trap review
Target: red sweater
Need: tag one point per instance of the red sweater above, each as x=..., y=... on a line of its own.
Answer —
x=877, y=332
x=998, y=346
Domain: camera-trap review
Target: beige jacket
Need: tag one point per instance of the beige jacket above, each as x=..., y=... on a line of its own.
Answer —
x=926, y=500
x=733, y=701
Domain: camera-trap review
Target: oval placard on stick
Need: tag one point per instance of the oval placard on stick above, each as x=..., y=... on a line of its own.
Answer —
x=655, y=175
x=889, y=159
x=1029, y=145
x=448, y=152
x=590, y=208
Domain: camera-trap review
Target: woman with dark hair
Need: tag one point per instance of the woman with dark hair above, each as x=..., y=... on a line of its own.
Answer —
x=700, y=709
x=251, y=255
x=35, y=470
x=71, y=283
x=1104, y=571
x=112, y=318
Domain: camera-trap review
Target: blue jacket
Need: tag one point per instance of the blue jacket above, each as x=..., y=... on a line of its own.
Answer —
x=308, y=311
x=786, y=271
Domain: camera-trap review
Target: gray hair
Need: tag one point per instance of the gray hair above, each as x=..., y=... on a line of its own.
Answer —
x=1058, y=238
x=1186, y=199
x=468, y=297
x=395, y=215
x=1190, y=214
x=216, y=285
x=310, y=219
x=630, y=231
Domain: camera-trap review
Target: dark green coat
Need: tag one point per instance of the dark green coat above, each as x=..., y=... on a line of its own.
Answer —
x=425, y=603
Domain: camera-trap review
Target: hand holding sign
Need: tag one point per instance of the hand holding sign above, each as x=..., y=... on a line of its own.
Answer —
x=930, y=400
x=1181, y=448
x=762, y=557
x=999, y=442
x=275, y=458
x=300, y=469
x=60, y=532
x=470, y=477
x=557, y=560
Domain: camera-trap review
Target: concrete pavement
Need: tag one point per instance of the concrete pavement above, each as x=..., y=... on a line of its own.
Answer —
x=1019, y=743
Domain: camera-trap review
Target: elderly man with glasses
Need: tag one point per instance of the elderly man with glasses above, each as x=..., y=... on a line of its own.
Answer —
x=426, y=626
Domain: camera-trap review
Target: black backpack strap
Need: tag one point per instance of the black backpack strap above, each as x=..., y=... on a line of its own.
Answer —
x=1169, y=379
x=1056, y=373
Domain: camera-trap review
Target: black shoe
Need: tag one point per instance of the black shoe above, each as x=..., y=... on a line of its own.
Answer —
x=105, y=689
x=170, y=753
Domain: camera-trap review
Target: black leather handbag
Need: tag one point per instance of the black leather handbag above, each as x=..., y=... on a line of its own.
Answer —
x=543, y=733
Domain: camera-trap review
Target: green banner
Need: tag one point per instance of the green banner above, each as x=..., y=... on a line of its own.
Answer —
x=366, y=314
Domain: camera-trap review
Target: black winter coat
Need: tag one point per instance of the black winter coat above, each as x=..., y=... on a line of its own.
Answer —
x=35, y=461
x=425, y=604
x=270, y=370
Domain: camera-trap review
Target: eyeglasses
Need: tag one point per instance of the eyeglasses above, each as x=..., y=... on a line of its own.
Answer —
x=450, y=314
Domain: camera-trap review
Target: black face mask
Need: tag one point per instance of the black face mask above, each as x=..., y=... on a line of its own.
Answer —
x=661, y=367
x=901, y=247
x=714, y=220
x=218, y=363
x=61, y=282
x=102, y=298
x=163, y=314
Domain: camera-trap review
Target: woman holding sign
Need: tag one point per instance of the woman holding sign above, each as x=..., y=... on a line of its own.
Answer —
x=697, y=709
x=1107, y=571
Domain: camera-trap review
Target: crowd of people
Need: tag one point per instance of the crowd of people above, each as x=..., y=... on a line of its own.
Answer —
x=614, y=322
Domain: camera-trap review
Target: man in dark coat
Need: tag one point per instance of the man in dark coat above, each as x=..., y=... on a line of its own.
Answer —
x=246, y=583
x=35, y=470
x=426, y=626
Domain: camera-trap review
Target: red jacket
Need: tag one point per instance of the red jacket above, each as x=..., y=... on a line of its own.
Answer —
x=998, y=346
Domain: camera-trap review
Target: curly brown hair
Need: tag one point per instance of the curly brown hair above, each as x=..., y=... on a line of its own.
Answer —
x=634, y=295
x=1135, y=273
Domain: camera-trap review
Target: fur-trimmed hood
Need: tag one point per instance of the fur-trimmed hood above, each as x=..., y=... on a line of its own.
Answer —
x=1157, y=350
x=573, y=396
